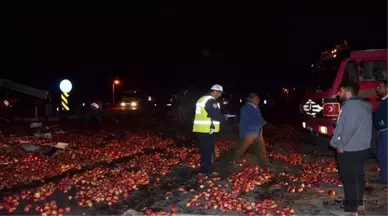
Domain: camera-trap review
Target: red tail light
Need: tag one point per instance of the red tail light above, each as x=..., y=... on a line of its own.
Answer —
x=331, y=109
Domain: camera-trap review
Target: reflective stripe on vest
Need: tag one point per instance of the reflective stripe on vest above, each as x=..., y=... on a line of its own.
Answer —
x=199, y=122
x=202, y=123
x=94, y=106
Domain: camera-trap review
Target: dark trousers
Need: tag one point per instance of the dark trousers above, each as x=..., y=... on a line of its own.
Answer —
x=93, y=116
x=207, y=143
x=374, y=142
x=351, y=171
x=258, y=145
x=382, y=154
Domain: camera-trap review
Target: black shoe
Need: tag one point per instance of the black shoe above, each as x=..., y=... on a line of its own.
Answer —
x=270, y=167
x=213, y=174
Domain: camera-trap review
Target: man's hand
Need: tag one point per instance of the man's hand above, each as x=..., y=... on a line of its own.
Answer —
x=340, y=151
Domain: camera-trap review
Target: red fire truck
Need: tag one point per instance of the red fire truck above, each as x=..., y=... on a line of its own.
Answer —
x=320, y=105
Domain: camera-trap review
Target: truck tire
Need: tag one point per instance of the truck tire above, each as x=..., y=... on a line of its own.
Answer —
x=312, y=144
x=318, y=140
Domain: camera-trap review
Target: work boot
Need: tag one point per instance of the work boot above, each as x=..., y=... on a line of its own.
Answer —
x=269, y=166
x=213, y=174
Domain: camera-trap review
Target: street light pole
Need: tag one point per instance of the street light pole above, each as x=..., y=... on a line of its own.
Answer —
x=113, y=94
x=115, y=82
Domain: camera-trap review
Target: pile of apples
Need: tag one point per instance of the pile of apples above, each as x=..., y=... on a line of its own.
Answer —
x=104, y=185
x=28, y=167
x=225, y=197
x=100, y=185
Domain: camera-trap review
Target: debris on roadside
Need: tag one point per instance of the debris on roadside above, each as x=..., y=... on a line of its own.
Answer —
x=6, y=164
x=60, y=132
x=61, y=145
x=36, y=125
x=30, y=147
x=43, y=135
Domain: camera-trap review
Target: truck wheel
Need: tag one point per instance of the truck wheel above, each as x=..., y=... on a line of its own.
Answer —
x=318, y=144
x=318, y=140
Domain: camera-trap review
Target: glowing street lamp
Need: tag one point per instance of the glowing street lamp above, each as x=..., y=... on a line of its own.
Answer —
x=115, y=82
x=65, y=86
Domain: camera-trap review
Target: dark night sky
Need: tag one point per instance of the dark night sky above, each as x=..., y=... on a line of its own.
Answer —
x=158, y=45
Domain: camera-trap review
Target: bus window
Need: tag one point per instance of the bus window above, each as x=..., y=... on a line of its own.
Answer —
x=373, y=70
x=350, y=73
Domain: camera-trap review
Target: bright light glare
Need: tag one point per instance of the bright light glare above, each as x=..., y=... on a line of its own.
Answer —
x=116, y=82
x=149, y=98
x=83, y=104
x=265, y=101
x=168, y=104
x=65, y=86
x=133, y=104
x=122, y=104
x=240, y=100
x=323, y=129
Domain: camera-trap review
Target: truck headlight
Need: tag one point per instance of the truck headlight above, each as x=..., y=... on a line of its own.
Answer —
x=122, y=104
x=323, y=129
x=133, y=104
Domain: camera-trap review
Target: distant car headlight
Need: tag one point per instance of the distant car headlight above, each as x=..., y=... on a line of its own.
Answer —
x=122, y=104
x=133, y=104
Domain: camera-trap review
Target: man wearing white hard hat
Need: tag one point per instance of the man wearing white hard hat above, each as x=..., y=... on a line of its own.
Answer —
x=207, y=122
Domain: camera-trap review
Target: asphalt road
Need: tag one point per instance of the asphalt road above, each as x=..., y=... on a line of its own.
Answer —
x=180, y=183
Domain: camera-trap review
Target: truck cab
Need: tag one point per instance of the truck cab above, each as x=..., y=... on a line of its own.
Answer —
x=320, y=105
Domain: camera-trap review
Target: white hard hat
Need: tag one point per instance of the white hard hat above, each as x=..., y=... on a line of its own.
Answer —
x=217, y=87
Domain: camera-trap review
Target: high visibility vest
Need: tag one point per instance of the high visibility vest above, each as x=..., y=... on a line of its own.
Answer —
x=94, y=106
x=202, y=123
